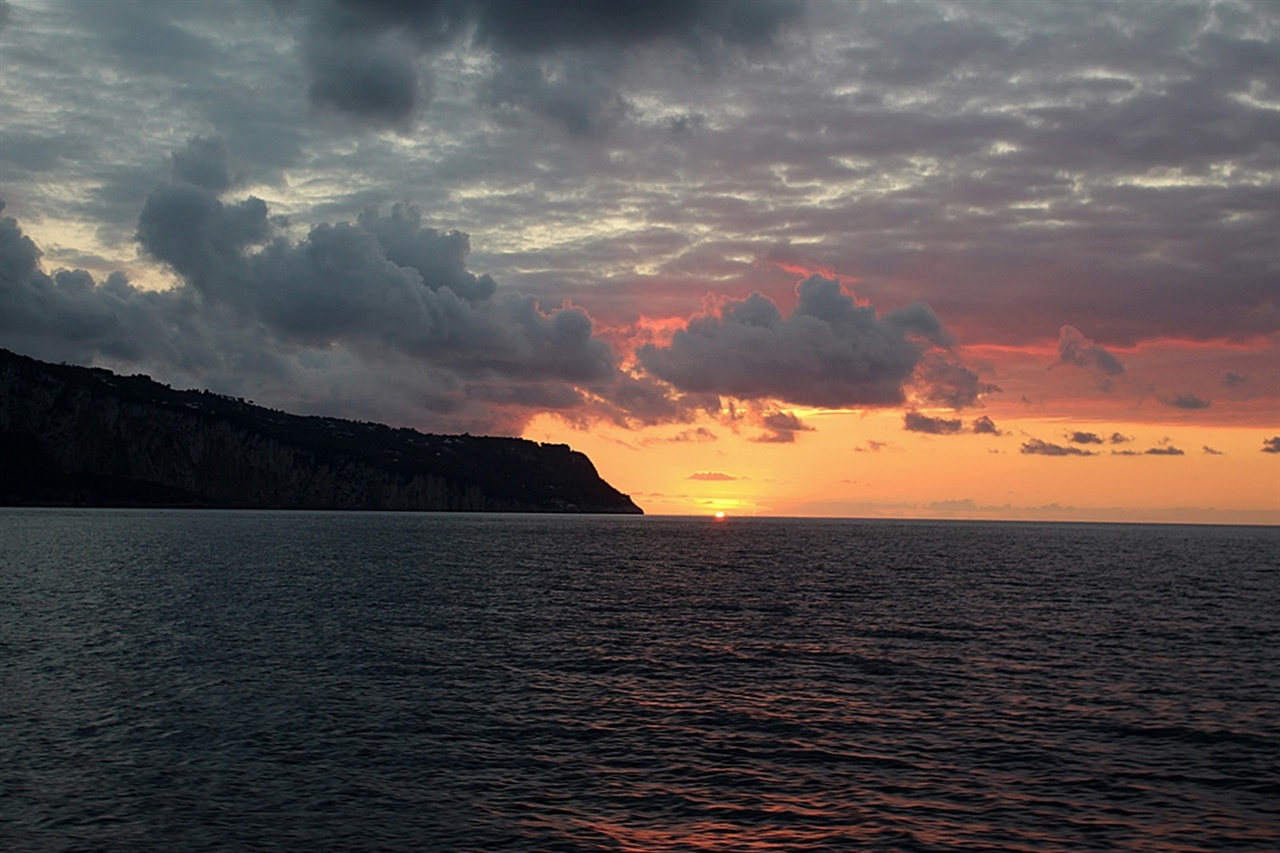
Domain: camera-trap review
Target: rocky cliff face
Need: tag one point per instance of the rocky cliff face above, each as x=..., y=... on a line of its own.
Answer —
x=83, y=436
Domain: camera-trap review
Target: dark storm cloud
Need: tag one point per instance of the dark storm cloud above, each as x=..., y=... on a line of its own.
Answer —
x=1186, y=401
x=204, y=162
x=542, y=28
x=916, y=422
x=363, y=57
x=1271, y=445
x=1077, y=350
x=1036, y=447
x=369, y=77
x=828, y=352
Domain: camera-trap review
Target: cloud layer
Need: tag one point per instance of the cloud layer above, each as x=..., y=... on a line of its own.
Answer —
x=1075, y=187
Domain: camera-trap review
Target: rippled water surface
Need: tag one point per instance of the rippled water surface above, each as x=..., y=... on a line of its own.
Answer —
x=315, y=681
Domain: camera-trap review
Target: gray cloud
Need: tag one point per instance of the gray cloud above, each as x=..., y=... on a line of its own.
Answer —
x=780, y=427
x=440, y=258
x=69, y=316
x=204, y=163
x=1037, y=447
x=1085, y=438
x=363, y=58
x=983, y=425
x=1014, y=167
x=372, y=77
x=943, y=380
x=1077, y=350
x=916, y=422
x=1166, y=450
x=828, y=352
x=527, y=28
x=252, y=296
x=1186, y=401
x=339, y=283
x=1271, y=445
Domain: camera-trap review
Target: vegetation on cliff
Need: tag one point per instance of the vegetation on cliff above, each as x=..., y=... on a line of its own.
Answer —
x=88, y=437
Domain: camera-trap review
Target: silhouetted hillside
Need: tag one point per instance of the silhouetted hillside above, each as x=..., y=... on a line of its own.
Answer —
x=87, y=437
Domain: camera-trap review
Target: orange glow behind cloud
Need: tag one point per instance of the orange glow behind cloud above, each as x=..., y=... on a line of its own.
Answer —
x=867, y=465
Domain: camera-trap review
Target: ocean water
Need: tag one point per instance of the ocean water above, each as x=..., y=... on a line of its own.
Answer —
x=193, y=680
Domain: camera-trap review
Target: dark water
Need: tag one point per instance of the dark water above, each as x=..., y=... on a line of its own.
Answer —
x=279, y=681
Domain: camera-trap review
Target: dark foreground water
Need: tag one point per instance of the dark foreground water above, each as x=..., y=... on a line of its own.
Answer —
x=319, y=682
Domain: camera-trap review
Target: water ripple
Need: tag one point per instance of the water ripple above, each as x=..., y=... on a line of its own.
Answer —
x=277, y=681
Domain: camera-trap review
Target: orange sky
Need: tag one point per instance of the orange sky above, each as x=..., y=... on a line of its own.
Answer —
x=980, y=260
x=866, y=465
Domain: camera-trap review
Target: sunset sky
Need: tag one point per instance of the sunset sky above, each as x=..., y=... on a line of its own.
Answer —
x=962, y=260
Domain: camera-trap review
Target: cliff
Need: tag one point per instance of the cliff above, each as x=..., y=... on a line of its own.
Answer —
x=77, y=436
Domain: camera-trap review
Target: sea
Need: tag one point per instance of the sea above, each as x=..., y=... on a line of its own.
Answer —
x=314, y=681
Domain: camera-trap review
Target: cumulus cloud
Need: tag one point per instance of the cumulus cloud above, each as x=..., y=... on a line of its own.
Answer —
x=916, y=422
x=379, y=303
x=1271, y=445
x=340, y=283
x=1084, y=438
x=1037, y=447
x=69, y=316
x=1076, y=350
x=828, y=352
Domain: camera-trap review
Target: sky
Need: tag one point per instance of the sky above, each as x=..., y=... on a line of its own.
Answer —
x=899, y=259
